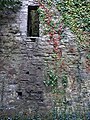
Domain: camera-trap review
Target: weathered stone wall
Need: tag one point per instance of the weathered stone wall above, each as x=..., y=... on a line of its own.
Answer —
x=78, y=91
x=22, y=66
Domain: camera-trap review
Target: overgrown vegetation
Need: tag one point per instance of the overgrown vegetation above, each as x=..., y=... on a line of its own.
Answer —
x=10, y=5
x=55, y=15
x=53, y=116
x=76, y=15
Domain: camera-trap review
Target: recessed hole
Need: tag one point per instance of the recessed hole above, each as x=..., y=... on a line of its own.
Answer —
x=39, y=68
x=27, y=72
x=19, y=93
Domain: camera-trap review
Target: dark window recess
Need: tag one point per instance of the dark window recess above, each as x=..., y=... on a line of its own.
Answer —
x=33, y=22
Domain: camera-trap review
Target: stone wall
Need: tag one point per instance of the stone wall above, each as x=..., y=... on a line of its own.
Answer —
x=22, y=66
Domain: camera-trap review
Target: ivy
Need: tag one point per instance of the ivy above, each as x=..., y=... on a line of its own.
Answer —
x=51, y=79
x=10, y=5
x=64, y=81
x=76, y=15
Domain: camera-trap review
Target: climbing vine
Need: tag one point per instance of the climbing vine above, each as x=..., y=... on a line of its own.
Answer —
x=53, y=27
x=55, y=15
x=73, y=14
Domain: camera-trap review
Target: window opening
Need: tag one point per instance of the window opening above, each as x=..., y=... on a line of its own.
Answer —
x=33, y=22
